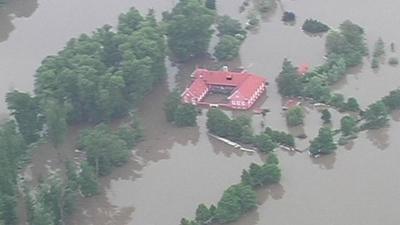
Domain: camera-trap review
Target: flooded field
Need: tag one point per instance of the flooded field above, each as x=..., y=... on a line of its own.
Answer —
x=174, y=170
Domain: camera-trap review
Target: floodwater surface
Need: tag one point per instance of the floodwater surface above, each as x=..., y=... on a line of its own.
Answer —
x=174, y=170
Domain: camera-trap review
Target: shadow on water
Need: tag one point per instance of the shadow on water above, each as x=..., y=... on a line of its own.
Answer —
x=379, y=138
x=14, y=9
x=326, y=162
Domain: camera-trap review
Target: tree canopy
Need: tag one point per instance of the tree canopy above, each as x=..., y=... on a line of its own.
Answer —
x=100, y=76
x=189, y=28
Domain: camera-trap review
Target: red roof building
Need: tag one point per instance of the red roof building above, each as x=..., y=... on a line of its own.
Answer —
x=244, y=87
x=303, y=69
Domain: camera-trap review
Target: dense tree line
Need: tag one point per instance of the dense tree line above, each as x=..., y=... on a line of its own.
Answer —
x=314, y=26
x=12, y=152
x=345, y=48
x=188, y=28
x=95, y=78
x=231, y=35
x=182, y=115
x=239, y=129
x=100, y=76
x=106, y=149
x=240, y=198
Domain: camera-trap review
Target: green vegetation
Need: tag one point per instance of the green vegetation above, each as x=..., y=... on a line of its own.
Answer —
x=25, y=110
x=53, y=200
x=392, y=101
x=326, y=116
x=236, y=201
x=228, y=26
x=347, y=43
x=295, y=116
x=348, y=125
x=12, y=152
x=376, y=116
x=227, y=48
x=100, y=77
x=238, y=129
x=280, y=137
x=289, y=82
x=264, y=143
x=379, y=51
x=183, y=115
x=106, y=149
x=232, y=36
x=240, y=198
x=189, y=28
x=314, y=26
x=88, y=181
x=323, y=144
x=258, y=176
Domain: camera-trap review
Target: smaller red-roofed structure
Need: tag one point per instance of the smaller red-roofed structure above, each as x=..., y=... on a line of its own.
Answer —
x=303, y=69
x=243, y=88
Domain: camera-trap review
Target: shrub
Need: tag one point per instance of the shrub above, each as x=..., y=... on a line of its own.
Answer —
x=314, y=26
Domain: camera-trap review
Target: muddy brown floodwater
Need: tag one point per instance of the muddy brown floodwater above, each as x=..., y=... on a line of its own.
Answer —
x=174, y=170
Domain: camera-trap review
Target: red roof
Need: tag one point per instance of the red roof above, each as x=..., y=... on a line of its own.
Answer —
x=249, y=86
x=221, y=77
x=197, y=88
x=246, y=83
x=303, y=69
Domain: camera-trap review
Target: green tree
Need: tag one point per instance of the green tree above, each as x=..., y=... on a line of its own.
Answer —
x=348, y=43
x=317, y=90
x=379, y=48
x=352, y=105
x=88, y=183
x=392, y=101
x=218, y=122
x=289, y=82
x=265, y=143
x=258, y=176
x=41, y=216
x=337, y=100
x=185, y=115
x=314, y=26
x=323, y=144
x=228, y=26
x=326, y=116
x=104, y=149
x=236, y=200
x=130, y=21
x=26, y=111
x=203, y=214
x=272, y=159
x=347, y=125
x=171, y=104
x=56, y=122
x=376, y=116
x=295, y=116
x=227, y=48
x=189, y=29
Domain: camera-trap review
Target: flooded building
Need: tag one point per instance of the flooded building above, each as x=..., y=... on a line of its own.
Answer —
x=242, y=89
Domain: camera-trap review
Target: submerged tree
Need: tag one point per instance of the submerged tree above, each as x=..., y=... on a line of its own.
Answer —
x=189, y=29
x=323, y=144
